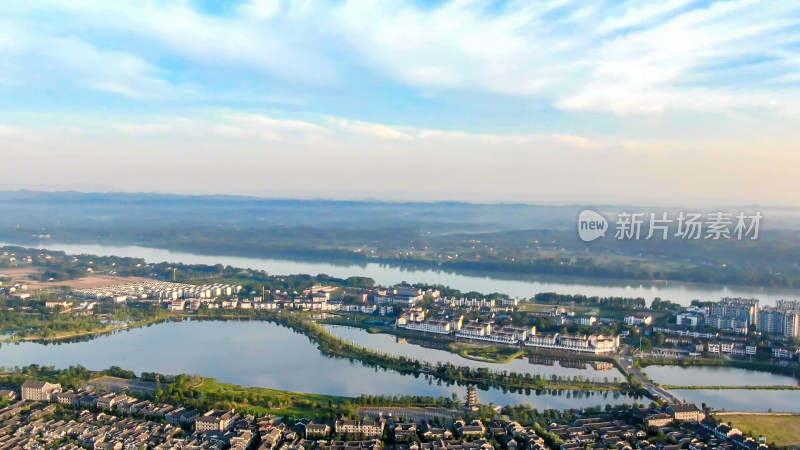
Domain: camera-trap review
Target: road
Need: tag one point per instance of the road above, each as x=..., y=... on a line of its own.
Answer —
x=624, y=359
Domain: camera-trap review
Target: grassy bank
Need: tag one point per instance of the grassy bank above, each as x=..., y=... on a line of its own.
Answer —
x=208, y=393
x=100, y=330
x=497, y=355
x=260, y=401
x=782, y=430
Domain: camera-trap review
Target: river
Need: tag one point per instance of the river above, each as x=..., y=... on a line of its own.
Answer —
x=515, y=285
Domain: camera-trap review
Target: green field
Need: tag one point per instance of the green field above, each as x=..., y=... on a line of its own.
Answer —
x=782, y=430
x=499, y=355
x=262, y=400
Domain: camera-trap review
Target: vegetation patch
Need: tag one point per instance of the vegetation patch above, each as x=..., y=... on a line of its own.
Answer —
x=499, y=355
x=263, y=400
x=782, y=430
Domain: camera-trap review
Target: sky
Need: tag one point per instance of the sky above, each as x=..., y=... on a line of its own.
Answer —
x=554, y=101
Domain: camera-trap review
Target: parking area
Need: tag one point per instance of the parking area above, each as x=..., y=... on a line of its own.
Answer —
x=114, y=384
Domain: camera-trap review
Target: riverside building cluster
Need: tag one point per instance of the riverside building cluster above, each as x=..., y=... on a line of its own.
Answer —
x=46, y=417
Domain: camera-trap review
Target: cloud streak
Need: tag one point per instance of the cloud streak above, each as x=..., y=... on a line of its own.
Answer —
x=627, y=58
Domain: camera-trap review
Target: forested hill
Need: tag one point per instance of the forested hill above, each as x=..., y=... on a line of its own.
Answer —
x=27, y=208
x=512, y=238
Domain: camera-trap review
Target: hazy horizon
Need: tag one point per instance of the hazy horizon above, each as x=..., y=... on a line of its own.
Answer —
x=554, y=204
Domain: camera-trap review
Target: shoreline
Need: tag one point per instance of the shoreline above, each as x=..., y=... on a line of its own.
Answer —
x=512, y=272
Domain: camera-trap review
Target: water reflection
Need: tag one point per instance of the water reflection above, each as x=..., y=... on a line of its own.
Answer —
x=253, y=353
x=716, y=376
x=756, y=400
x=544, y=366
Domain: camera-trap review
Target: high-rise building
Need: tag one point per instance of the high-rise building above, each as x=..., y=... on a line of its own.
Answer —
x=783, y=319
x=734, y=314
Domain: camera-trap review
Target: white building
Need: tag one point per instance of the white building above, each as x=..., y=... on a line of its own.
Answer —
x=215, y=420
x=39, y=391
x=595, y=343
x=689, y=318
x=639, y=319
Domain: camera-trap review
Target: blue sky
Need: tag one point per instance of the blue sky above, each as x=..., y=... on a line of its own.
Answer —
x=547, y=101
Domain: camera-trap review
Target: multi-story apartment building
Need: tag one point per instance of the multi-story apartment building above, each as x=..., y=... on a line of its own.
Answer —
x=690, y=318
x=733, y=348
x=369, y=428
x=39, y=391
x=439, y=325
x=784, y=353
x=734, y=314
x=686, y=332
x=406, y=296
x=472, y=303
x=486, y=331
x=783, y=319
x=108, y=401
x=584, y=320
x=475, y=330
x=520, y=333
x=687, y=412
x=214, y=420
x=639, y=319
x=314, y=429
x=595, y=343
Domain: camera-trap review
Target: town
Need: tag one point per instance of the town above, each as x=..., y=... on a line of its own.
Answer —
x=399, y=224
x=40, y=415
x=734, y=327
x=610, y=333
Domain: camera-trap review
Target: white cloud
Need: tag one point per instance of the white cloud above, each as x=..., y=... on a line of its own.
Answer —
x=40, y=60
x=567, y=140
x=11, y=132
x=641, y=13
x=253, y=39
x=329, y=131
x=627, y=58
x=668, y=66
x=369, y=129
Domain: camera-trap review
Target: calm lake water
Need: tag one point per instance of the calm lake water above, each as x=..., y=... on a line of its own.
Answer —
x=715, y=376
x=546, y=367
x=743, y=399
x=513, y=285
x=253, y=353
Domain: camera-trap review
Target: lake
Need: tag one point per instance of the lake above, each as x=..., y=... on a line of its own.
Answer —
x=743, y=399
x=254, y=353
x=544, y=366
x=715, y=376
x=515, y=285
